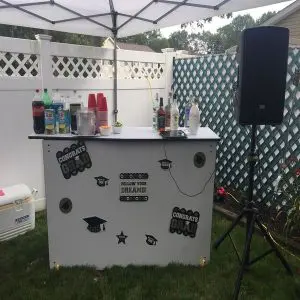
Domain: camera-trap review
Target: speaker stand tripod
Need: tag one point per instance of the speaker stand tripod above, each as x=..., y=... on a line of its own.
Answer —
x=250, y=212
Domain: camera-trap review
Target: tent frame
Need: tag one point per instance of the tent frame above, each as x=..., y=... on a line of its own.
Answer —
x=114, y=29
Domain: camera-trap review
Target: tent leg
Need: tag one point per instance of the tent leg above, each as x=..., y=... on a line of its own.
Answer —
x=115, y=91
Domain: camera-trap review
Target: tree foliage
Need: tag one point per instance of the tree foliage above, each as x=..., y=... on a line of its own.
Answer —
x=203, y=42
x=153, y=39
x=227, y=36
x=61, y=37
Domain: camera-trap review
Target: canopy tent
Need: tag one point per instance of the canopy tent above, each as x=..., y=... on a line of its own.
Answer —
x=117, y=18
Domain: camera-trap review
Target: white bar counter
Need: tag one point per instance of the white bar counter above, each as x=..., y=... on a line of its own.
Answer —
x=129, y=198
x=131, y=133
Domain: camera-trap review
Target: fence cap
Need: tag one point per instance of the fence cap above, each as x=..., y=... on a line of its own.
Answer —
x=44, y=37
x=167, y=50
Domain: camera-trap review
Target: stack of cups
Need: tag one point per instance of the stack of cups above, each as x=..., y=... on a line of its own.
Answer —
x=92, y=102
x=101, y=111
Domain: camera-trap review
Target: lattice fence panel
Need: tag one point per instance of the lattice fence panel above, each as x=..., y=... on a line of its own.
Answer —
x=89, y=68
x=210, y=79
x=18, y=65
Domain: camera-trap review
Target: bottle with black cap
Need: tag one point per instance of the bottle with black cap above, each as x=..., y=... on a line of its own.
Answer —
x=161, y=116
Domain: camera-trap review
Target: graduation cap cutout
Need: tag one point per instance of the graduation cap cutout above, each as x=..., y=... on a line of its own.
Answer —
x=165, y=164
x=102, y=181
x=95, y=224
x=151, y=240
x=121, y=238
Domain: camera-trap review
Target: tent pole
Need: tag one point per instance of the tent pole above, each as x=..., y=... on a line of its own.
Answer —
x=115, y=74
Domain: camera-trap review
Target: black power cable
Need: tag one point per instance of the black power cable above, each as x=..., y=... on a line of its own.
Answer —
x=177, y=185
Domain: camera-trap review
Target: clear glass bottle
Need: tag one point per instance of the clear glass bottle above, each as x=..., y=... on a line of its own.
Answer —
x=155, y=106
x=174, y=114
x=168, y=111
x=187, y=108
x=194, y=119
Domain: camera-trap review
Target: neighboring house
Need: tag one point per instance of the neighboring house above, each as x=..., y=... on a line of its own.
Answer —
x=288, y=17
x=109, y=43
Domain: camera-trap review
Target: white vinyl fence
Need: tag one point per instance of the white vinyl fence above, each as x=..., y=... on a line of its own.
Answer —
x=26, y=65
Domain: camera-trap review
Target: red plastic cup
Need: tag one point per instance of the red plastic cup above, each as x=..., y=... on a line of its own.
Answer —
x=101, y=102
x=92, y=101
x=102, y=111
x=100, y=96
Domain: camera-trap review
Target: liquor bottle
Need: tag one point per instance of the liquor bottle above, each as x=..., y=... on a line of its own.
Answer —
x=75, y=106
x=194, y=118
x=155, y=107
x=187, y=110
x=38, y=113
x=161, y=116
x=168, y=111
x=174, y=114
x=46, y=99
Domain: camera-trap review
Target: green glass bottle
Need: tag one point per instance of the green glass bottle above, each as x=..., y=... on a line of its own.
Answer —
x=46, y=99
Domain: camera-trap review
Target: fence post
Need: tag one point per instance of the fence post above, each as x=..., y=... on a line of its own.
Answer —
x=44, y=41
x=169, y=56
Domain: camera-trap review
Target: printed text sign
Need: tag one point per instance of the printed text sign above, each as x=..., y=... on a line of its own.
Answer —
x=184, y=221
x=134, y=186
x=73, y=159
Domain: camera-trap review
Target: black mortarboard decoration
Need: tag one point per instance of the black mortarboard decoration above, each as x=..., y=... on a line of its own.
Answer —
x=95, y=224
x=151, y=240
x=101, y=180
x=165, y=164
x=121, y=238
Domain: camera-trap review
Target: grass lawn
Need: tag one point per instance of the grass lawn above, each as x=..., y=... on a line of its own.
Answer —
x=24, y=274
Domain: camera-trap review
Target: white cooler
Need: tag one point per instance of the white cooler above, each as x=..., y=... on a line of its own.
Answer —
x=17, y=213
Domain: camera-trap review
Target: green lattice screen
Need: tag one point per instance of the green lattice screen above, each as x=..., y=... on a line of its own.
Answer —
x=211, y=78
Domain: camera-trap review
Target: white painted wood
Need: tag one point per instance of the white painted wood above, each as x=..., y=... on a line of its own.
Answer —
x=63, y=49
x=70, y=243
x=169, y=75
x=106, y=84
x=18, y=45
x=20, y=84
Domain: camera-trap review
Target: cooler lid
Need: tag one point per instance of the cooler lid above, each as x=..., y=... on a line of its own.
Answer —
x=9, y=195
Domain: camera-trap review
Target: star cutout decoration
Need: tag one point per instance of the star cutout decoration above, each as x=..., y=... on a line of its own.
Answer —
x=122, y=237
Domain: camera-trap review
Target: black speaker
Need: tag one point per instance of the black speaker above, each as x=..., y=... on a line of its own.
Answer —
x=262, y=57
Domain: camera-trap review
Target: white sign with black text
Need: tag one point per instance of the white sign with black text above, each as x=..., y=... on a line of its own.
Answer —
x=134, y=187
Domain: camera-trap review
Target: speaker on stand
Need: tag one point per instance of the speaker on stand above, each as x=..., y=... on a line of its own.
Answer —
x=259, y=100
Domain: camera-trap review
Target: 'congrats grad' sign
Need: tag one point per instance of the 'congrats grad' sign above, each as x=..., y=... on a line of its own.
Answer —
x=73, y=159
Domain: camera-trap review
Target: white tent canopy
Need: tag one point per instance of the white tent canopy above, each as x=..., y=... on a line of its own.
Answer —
x=115, y=17
x=97, y=17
